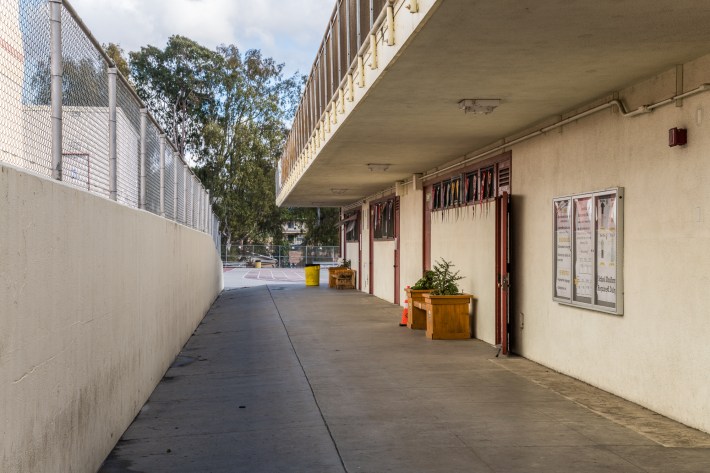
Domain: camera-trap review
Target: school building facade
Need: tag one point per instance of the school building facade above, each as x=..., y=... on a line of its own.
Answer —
x=558, y=153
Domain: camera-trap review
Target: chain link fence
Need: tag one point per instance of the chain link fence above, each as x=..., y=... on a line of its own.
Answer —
x=279, y=256
x=66, y=113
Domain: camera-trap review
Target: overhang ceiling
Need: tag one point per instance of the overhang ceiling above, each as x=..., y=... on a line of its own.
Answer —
x=540, y=57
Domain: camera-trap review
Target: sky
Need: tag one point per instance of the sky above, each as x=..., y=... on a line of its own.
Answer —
x=289, y=31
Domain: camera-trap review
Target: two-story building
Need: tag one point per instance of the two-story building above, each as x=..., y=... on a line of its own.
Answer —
x=555, y=152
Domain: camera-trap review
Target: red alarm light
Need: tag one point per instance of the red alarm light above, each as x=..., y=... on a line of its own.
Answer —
x=677, y=137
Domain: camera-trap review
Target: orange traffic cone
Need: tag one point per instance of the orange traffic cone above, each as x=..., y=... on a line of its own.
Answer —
x=405, y=312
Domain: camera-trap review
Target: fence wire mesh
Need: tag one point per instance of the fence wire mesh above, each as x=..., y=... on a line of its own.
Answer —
x=180, y=191
x=25, y=120
x=128, y=128
x=152, y=169
x=27, y=140
x=279, y=256
x=169, y=183
x=85, y=150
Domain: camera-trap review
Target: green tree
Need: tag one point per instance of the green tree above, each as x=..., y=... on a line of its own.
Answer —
x=228, y=111
x=118, y=56
x=320, y=224
x=178, y=86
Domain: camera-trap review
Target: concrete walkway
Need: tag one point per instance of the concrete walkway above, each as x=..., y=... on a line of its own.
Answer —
x=294, y=379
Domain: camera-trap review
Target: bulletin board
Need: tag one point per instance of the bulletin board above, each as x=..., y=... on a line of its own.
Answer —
x=588, y=250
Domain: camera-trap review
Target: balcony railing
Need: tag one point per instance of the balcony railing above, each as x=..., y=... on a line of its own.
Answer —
x=353, y=26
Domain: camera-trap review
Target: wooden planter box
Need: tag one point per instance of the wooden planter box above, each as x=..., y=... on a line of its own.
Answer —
x=448, y=317
x=333, y=274
x=416, y=306
x=345, y=279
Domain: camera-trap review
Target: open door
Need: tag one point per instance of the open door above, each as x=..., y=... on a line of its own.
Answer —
x=397, y=289
x=503, y=272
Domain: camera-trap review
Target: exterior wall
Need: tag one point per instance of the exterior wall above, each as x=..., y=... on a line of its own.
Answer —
x=351, y=253
x=411, y=226
x=97, y=299
x=383, y=257
x=655, y=354
x=468, y=240
x=365, y=245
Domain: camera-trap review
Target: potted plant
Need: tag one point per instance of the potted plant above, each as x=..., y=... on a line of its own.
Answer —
x=447, y=308
x=416, y=307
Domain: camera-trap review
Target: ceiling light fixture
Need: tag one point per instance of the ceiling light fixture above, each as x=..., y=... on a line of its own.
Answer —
x=378, y=167
x=479, y=106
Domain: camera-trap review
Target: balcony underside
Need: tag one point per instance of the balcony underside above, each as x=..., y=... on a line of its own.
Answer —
x=541, y=58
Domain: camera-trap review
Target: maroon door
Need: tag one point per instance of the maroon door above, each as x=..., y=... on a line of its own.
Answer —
x=397, y=289
x=426, y=256
x=371, y=218
x=503, y=272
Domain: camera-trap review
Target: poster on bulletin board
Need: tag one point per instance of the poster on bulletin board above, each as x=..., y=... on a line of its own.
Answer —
x=587, y=243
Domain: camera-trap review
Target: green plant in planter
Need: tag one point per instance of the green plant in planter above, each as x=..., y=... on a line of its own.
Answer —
x=345, y=263
x=444, y=279
x=425, y=282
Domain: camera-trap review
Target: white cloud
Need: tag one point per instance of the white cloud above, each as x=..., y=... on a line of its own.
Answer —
x=290, y=31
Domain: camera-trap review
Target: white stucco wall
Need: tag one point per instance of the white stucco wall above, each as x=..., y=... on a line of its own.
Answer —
x=468, y=240
x=656, y=353
x=97, y=299
x=351, y=253
x=383, y=279
x=411, y=226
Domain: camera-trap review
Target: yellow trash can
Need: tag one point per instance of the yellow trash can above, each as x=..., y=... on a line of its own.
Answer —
x=312, y=275
x=257, y=264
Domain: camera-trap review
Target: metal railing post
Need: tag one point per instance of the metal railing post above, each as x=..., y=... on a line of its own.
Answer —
x=162, y=175
x=144, y=127
x=56, y=73
x=184, y=194
x=112, y=138
x=192, y=201
x=209, y=213
x=175, y=186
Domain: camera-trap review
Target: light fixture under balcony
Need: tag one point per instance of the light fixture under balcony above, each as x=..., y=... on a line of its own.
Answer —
x=378, y=167
x=479, y=106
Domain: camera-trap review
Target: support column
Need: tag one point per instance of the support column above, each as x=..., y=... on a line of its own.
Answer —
x=56, y=73
x=112, y=138
x=175, y=185
x=162, y=175
x=144, y=126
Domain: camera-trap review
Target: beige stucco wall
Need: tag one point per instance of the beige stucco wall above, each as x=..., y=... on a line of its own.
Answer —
x=383, y=279
x=411, y=226
x=468, y=240
x=351, y=253
x=97, y=299
x=655, y=354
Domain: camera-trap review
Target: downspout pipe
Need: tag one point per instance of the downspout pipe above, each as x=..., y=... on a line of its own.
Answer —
x=642, y=110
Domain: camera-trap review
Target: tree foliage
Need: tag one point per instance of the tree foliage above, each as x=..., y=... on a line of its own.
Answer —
x=118, y=56
x=228, y=111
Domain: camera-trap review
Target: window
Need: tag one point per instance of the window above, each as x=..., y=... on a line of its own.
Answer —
x=352, y=228
x=470, y=187
x=383, y=215
x=588, y=244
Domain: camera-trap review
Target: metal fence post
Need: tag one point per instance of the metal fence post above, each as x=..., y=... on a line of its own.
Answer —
x=208, y=216
x=56, y=72
x=184, y=194
x=162, y=175
x=175, y=185
x=112, y=139
x=144, y=127
x=192, y=201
